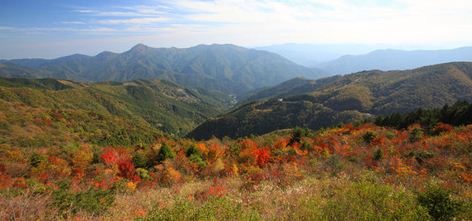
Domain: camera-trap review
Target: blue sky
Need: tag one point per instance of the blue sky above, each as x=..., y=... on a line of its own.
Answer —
x=52, y=28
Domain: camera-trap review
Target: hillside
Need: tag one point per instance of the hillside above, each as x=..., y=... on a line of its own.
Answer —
x=42, y=112
x=394, y=60
x=14, y=70
x=326, y=102
x=363, y=172
x=226, y=68
x=292, y=87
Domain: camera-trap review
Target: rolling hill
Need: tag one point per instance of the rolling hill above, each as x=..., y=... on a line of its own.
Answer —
x=326, y=102
x=395, y=60
x=226, y=68
x=42, y=112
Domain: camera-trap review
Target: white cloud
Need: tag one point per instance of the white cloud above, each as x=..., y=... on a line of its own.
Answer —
x=401, y=21
x=73, y=22
x=132, y=21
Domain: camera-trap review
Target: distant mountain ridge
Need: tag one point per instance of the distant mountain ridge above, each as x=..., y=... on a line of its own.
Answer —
x=312, y=54
x=227, y=68
x=390, y=59
x=334, y=100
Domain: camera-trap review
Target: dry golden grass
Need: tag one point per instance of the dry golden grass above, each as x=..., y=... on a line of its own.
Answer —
x=27, y=206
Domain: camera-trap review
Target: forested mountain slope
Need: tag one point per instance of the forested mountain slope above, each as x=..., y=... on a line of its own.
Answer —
x=327, y=102
x=38, y=112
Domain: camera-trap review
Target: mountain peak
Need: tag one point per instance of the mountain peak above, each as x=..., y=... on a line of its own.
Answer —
x=139, y=48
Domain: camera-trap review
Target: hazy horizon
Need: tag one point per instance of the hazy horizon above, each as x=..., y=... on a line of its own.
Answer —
x=29, y=29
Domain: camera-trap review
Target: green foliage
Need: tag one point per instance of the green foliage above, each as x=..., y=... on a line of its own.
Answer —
x=297, y=135
x=421, y=155
x=143, y=173
x=213, y=209
x=193, y=150
x=440, y=205
x=368, y=137
x=305, y=146
x=93, y=201
x=458, y=114
x=198, y=160
x=415, y=135
x=140, y=159
x=195, y=156
x=165, y=153
x=378, y=154
x=371, y=201
x=36, y=159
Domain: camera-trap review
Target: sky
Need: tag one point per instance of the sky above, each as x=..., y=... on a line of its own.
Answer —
x=53, y=28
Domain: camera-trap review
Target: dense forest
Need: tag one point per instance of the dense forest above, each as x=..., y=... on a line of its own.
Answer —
x=458, y=114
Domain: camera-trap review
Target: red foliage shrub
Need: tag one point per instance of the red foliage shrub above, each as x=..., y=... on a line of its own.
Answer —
x=126, y=168
x=109, y=156
x=262, y=156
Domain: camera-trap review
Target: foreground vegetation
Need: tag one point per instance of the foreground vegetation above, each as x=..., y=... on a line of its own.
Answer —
x=362, y=172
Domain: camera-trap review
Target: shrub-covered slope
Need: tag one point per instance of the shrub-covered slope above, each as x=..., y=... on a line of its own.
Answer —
x=362, y=172
x=45, y=111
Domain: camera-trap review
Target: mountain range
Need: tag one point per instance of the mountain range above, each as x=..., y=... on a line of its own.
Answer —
x=330, y=101
x=390, y=59
x=225, y=68
x=312, y=54
x=351, y=58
